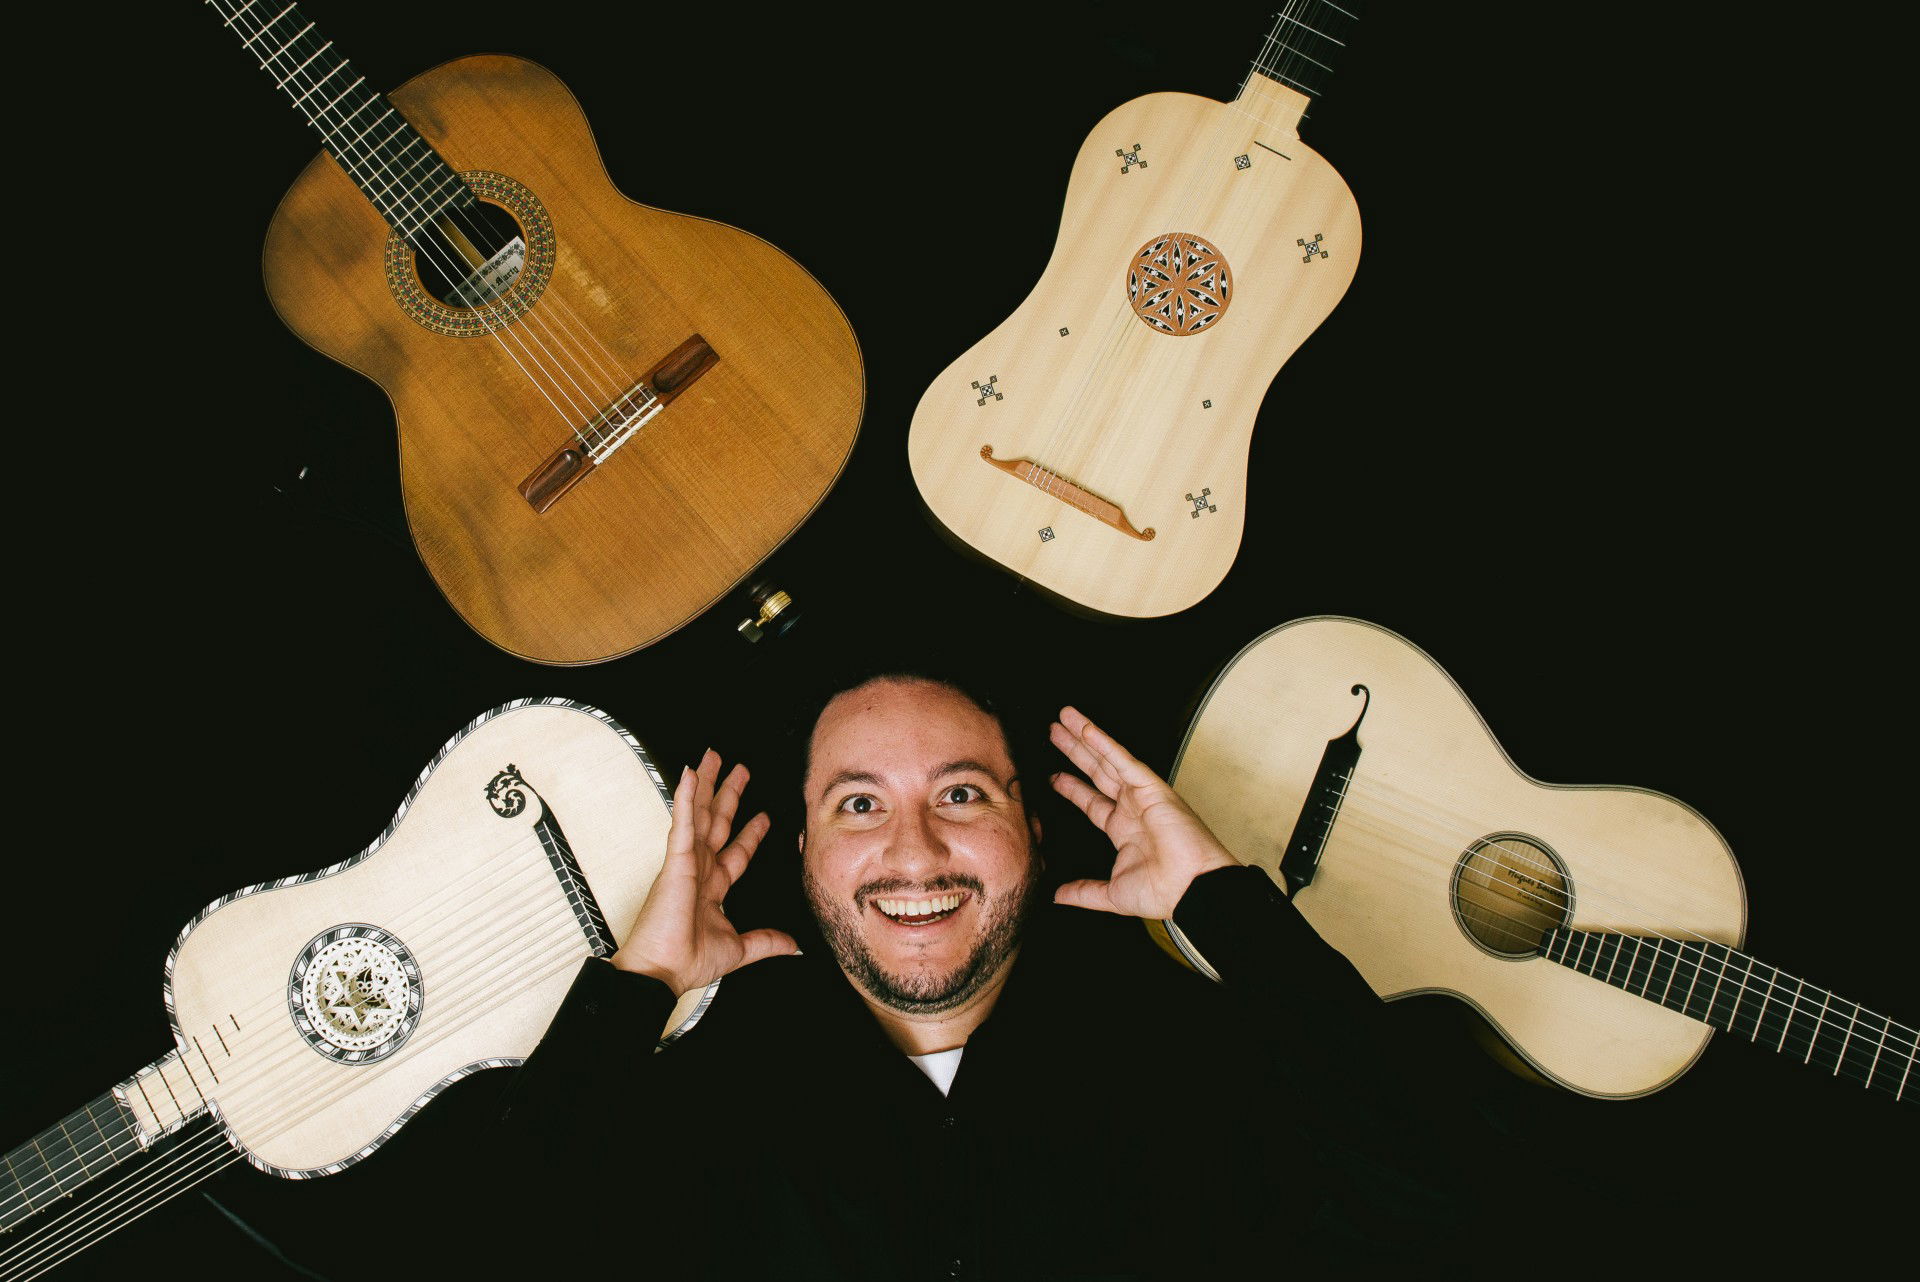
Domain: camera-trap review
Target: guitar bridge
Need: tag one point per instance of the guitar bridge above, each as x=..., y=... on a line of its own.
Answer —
x=1074, y=496
x=595, y=440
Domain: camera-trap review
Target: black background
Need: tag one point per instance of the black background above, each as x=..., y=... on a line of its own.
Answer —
x=1598, y=425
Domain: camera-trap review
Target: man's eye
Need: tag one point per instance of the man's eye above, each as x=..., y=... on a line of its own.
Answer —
x=961, y=793
x=859, y=804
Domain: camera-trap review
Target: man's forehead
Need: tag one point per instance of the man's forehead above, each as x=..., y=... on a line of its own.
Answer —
x=904, y=728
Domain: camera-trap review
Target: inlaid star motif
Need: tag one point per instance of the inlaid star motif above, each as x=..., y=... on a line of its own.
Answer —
x=358, y=1005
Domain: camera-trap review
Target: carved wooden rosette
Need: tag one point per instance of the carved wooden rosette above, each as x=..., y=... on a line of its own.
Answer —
x=1178, y=284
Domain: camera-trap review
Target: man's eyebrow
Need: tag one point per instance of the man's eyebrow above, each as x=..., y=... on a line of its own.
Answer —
x=962, y=766
x=845, y=777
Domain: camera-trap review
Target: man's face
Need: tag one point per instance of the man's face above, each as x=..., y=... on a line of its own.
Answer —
x=918, y=855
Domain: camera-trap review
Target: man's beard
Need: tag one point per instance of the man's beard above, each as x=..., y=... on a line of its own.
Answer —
x=923, y=994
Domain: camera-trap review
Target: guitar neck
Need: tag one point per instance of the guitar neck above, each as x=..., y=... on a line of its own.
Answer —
x=1300, y=52
x=98, y=1137
x=1737, y=994
x=397, y=169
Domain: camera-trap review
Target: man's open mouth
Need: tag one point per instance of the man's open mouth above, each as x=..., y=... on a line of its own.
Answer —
x=921, y=912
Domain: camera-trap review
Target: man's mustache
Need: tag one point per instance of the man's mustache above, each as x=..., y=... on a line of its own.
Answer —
x=901, y=886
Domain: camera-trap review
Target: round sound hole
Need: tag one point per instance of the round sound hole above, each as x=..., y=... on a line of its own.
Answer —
x=1508, y=891
x=1178, y=284
x=355, y=993
x=475, y=271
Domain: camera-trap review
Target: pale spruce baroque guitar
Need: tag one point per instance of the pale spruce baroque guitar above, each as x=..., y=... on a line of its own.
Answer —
x=1096, y=442
x=608, y=414
x=1598, y=930
x=314, y=1015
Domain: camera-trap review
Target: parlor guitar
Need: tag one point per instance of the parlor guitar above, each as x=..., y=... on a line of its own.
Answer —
x=1598, y=930
x=608, y=414
x=313, y=1015
x=1096, y=442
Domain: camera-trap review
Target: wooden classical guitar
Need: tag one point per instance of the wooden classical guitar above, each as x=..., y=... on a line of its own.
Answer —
x=1096, y=442
x=314, y=1015
x=1598, y=930
x=608, y=414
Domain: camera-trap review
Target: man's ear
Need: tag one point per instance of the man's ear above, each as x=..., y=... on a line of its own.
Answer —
x=800, y=842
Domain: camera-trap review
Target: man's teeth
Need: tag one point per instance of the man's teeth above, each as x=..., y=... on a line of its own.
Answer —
x=918, y=907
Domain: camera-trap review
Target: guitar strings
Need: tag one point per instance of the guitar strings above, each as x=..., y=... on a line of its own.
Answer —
x=243, y=1042
x=206, y=1156
x=1903, y=1044
x=411, y=196
x=413, y=210
x=95, y=1217
x=357, y=166
x=1071, y=443
x=412, y=928
x=459, y=1009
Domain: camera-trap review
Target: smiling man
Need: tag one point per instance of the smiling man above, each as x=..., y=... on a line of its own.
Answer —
x=1081, y=1106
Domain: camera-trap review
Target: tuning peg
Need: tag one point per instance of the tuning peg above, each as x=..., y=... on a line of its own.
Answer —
x=773, y=604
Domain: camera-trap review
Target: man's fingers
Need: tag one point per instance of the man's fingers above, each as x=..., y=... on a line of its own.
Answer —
x=1080, y=754
x=759, y=944
x=735, y=857
x=680, y=831
x=1124, y=765
x=1087, y=893
x=1084, y=795
x=725, y=803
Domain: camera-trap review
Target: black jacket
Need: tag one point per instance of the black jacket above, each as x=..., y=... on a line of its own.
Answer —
x=1116, y=1116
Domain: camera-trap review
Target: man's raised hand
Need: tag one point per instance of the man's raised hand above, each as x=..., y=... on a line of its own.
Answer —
x=681, y=936
x=1159, y=844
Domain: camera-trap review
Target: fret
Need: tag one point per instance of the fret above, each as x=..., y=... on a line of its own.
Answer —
x=1800, y=987
x=1301, y=49
x=1879, y=1044
x=79, y=1148
x=1661, y=972
x=16, y=1203
x=1729, y=990
x=282, y=82
x=1613, y=959
x=1764, y=999
x=46, y=1163
x=318, y=84
x=77, y=1155
x=1673, y=972
x=389, y=160
x=343, y=93
x=1818, y=1020
x=1633, y=966
x=271, y=23
x=1720, y=986
x=275, y=55
x=1841, y=1058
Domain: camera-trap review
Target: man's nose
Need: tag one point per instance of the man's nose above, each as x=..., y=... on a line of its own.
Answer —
x=917, y=844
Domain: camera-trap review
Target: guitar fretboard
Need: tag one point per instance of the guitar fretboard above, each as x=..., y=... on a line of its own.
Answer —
x=1747, y=998
x=1307, y=38
x=88, y=1142
x=399, y=170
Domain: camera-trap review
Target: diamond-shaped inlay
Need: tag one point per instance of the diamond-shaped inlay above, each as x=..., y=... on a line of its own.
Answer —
x=1128, y=159
x=1312, y=247
x=1063, y=331
x=1200, y=504
x=1046, y=534
x=1243, y=162
x=1206, y=405
x=988, y=390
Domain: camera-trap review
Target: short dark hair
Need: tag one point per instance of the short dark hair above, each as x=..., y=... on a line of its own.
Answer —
x=1023, y=733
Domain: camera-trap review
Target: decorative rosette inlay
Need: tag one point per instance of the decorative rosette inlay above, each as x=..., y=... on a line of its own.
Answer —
x=1178, y=284
x=536, y=229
